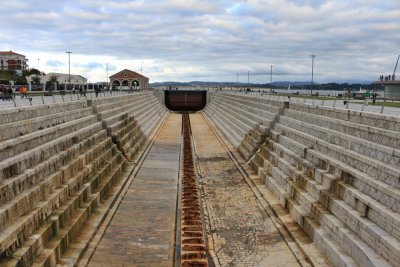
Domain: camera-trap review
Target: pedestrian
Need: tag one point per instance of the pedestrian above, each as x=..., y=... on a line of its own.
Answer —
x=374, y=96
x=23, y=90
x=366, y=97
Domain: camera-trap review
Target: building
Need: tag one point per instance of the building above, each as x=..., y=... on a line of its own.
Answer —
x=10, y=60
x=60, y=79
x=128, y=79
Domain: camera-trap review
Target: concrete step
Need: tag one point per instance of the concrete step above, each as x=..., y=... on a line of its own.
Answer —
x=387, y=138
x=220, y=121
x=387, y=155
x=391, y=123
x=65, y=223
x=20, y=144
x=35, y=217
x=371, y=233
x=28, y=198
x=248, y=112
x=15, y=165
x=372, y=167
x=303, y=205
x=22, y=128
x=359, y=198
x=27, y=113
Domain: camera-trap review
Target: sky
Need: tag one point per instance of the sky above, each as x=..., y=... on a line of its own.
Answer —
x=207, y=40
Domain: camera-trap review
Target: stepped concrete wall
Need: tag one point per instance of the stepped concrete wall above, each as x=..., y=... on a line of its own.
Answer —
x=245, y=121
x=58, y=164
x=336, y=171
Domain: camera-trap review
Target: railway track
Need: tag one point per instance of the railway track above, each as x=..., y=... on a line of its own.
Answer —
x=192, y=241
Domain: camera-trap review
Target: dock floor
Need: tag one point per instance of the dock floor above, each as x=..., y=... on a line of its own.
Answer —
x=142, y=231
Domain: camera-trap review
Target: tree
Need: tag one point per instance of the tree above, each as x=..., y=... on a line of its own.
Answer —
x=33, y=71
x=36, y=80
x=50, y=83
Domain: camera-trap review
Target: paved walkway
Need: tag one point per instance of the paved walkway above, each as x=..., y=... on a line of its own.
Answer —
x=37, y=100
x=240, y=232
x=142, y=231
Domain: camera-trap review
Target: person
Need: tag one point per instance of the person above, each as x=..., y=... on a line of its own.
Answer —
x=23, y=92
x=374, y=96
x=366, y=97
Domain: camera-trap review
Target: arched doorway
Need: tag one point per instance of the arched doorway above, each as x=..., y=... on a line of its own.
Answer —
x=115, y=85
x=125, y=85
x=135, y=85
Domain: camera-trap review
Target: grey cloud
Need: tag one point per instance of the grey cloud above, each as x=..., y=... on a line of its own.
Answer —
x=208, y=38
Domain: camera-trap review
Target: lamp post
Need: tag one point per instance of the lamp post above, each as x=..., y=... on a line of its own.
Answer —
x=69, y=68
x=270, y=81
x=312, y=71
x=107, y=83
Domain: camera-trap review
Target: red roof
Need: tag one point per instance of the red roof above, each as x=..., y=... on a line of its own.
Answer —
x=127, y=74
x=9, y=53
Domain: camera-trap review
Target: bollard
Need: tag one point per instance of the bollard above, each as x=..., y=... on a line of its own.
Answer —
x=362, y=107
x=334, y=103
x=62, y=96
x=30, y=101
x=323, y=102
x=78, y=97
x=347, y=104
x=15, y=103
x=70, y=96
x=383, y=106
x=54, y=99
x=42, y=99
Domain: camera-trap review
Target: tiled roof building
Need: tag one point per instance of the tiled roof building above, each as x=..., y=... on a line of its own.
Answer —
x=10, y=60
x=127, y=79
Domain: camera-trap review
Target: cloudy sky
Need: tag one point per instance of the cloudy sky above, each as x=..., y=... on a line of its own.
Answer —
x=207, y=40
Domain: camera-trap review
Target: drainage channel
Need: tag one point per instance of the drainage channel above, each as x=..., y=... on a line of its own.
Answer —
x=193, y=251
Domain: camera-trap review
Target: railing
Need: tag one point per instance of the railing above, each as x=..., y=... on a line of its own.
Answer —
x=382, y=105
x=41, y=98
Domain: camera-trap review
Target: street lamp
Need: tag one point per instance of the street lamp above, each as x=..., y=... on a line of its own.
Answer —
x=312, y=71
x=270, y=81
x=107, y=83
x=69, y=68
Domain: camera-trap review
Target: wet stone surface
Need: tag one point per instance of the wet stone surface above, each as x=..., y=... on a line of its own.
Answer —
x=240, y=233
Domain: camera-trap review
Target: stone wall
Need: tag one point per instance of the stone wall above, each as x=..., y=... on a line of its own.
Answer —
x=244, y=120
x=337, y=172
x=58, y=165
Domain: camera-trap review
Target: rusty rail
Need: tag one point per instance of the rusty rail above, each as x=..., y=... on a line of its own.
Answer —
x=193, y=248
